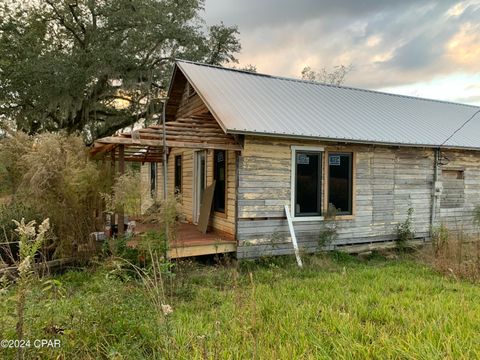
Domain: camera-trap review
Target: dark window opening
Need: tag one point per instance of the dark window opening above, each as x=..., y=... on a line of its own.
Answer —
x=308, y=179
x=219, y=172
x=191, y=91
x=153, y=179
x=340, y=183
x=178, y=174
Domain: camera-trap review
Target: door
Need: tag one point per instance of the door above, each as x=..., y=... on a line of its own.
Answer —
x=199, y=181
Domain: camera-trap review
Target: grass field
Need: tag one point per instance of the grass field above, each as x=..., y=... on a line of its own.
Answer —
x=337, y=307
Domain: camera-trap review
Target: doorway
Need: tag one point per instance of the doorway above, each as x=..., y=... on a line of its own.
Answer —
x=199, y=181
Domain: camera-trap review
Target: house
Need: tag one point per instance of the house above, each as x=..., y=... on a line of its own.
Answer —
x=270, y=141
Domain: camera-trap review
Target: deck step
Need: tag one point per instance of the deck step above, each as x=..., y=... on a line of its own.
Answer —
x=202, y=249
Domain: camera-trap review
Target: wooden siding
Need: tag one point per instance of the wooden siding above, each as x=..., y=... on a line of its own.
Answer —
x=219, y=221
x=388, y=180
x=193, y=105
x=456, y=216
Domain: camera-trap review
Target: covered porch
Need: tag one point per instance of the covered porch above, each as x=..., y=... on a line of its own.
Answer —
x=149, y=146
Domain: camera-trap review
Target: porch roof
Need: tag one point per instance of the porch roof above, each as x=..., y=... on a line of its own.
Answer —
x=146, y=145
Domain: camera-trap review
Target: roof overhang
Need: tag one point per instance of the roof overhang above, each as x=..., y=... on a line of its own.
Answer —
x=146, y=145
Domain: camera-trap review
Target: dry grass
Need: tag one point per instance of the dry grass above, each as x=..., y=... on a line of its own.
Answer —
x=51, y=176
x=454, y=254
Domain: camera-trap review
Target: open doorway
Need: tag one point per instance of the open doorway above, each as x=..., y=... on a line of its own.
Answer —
x=199, y=181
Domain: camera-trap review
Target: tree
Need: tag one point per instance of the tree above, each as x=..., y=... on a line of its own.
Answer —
x=96, y=66
x=335, y=77
x=249, y=68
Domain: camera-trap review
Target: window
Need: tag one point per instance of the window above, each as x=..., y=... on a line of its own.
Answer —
x=308, y=183
x=178, y=174
x=191, y=91
x=188, y=92
x=453, y=193
x=153, y=179
x=321, y=180
x=340, y=182
x=219, y=172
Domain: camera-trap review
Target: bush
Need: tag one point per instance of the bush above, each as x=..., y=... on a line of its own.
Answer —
x=51, y=175
x=405, y=230
x=476, y=216
x=453, y=253
x=329, y=232
x=125, y=194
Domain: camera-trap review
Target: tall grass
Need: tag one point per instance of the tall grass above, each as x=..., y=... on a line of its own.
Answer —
x=335, y=307
x=454, y=252
x=30, y=242
x=52, y=176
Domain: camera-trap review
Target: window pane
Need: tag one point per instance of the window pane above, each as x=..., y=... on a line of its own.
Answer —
x=219, y=177
x=307, y=184
x=340, y=182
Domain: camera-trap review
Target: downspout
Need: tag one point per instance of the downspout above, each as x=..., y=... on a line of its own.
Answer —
x=436, y=189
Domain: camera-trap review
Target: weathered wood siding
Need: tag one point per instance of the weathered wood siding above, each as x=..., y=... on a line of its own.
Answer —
x=455, y=206
x=193, y=105
x=388, y=180
x=219, y=221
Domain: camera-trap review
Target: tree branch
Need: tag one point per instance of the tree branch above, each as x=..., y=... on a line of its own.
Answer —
x=75, y=17
x=64, y=23
x=122, y=123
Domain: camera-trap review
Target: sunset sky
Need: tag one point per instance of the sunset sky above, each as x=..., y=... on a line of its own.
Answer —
x=421, y=48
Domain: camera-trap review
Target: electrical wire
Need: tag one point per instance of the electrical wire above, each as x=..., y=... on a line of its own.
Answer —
x=460, y=128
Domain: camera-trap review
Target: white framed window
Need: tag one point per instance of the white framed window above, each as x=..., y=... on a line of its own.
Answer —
x=306, y=183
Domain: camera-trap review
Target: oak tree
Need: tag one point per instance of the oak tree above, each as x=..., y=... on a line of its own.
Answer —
x=96, y=66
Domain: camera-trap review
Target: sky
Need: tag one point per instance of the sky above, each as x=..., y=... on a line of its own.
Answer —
x=421, y=48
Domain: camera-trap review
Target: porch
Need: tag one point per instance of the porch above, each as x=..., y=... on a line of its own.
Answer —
x=192, y=242
x=194, y=140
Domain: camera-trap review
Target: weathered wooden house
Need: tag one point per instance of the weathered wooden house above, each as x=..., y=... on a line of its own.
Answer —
x=270, y=141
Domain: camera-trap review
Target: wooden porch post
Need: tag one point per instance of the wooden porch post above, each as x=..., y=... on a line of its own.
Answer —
x=112, y=178
x=121, y=171
x=165, y=172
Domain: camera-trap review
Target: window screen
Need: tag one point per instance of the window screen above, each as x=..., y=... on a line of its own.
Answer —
x=178, y=174
x=308, y=170
x=219, y=172
x=340, y=182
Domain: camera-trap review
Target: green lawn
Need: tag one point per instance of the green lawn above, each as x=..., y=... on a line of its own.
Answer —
x=336, y=307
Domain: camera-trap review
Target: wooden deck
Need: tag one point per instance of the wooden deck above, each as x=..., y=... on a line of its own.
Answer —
x=191, y=242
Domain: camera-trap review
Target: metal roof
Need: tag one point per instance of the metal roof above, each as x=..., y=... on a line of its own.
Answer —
x=249, y=103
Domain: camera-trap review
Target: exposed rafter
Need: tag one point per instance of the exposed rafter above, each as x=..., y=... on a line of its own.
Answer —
x=145, y=145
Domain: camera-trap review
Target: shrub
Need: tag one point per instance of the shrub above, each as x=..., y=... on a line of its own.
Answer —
x=476, y=216
x=125, y=194
x=30, y=242
x=405, y=230
x=453, y=253
x=51, y=176
x=329, y=231
x=440, y=238
x=12, y=168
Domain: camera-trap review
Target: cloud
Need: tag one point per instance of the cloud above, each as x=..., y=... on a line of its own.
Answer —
x=253, y=14
x=389, y=43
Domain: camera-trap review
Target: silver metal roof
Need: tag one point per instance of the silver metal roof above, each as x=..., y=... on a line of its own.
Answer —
x=248, y=103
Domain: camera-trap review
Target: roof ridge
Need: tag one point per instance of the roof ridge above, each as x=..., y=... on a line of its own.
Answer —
x=284, y=78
